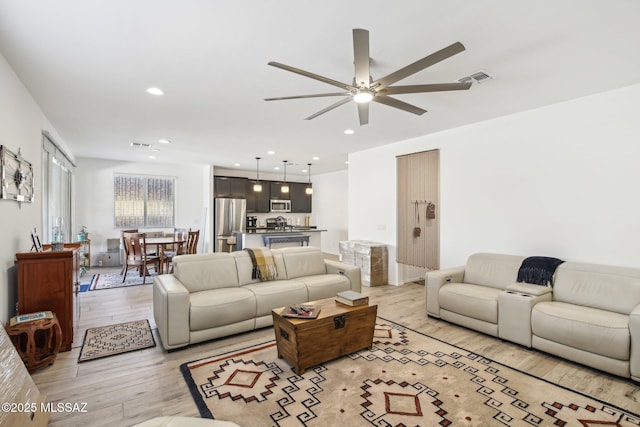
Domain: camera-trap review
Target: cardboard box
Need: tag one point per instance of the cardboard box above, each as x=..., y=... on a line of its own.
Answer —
x=18, y=388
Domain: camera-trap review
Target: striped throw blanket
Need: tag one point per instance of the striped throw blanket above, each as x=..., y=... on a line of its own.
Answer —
x=264, y=266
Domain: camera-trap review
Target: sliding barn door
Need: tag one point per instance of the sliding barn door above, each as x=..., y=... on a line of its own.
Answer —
x=418, y=209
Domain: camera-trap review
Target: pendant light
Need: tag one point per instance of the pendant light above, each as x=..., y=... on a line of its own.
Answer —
x=285, y=186
x=309, y=189
x=257, y=187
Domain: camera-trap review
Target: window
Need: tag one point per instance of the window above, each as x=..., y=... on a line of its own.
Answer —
x=143, y=201
x=57, y=194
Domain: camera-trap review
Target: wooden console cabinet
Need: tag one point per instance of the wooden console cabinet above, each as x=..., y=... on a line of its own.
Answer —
x=49, y=281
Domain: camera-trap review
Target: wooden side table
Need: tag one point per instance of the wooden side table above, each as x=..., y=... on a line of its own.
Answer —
x=37, y=341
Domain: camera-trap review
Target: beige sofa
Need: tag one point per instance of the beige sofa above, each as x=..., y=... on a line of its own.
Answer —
x=590, y=316
x=213, y=295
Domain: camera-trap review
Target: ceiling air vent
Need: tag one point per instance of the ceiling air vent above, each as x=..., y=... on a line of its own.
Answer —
x=140, y=145
x=478, y=77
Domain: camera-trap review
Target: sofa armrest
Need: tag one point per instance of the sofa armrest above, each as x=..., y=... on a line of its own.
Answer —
x=529, y=289
x=634, y=331
x=171, y=311
x=352, y=272
x=434, y=280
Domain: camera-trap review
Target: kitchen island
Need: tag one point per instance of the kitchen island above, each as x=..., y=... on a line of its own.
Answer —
x=277, y=238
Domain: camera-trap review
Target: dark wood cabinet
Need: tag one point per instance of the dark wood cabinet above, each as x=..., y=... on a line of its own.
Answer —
x=230, y=187
x=48, y=281
x=258, y=202
x=300, y=200
x=275, y=190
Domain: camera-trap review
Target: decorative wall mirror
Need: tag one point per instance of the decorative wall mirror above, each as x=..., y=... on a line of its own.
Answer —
x=17, y=176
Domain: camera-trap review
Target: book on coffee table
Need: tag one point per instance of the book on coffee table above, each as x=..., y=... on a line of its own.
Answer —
x=301, y=311
x=352, y=298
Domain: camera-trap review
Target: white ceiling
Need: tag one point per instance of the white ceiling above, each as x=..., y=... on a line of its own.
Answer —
x=88, y=63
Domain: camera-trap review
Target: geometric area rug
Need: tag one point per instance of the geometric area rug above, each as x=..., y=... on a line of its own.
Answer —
x=116, y=339
x=407, y=379
x=114, y=280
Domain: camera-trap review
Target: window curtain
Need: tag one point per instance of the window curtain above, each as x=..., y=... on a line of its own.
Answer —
x=143, y=201
x=57, y=192
x=418, y=213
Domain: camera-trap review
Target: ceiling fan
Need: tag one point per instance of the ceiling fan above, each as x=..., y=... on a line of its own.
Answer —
x=364, y=89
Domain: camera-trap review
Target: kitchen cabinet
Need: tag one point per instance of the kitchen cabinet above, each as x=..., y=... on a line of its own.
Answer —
x=258, y=202
x=48, y=281
x=300, y=200
x=230, y=187
x=275, y=189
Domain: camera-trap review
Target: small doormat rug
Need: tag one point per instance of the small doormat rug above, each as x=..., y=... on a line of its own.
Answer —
x=116, y=339
x=406, y=379
x=114, y=280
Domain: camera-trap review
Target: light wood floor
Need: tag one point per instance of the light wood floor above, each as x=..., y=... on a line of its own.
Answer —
x=130, y=388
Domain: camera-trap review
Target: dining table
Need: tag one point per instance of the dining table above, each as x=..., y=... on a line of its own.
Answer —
x=161, y=244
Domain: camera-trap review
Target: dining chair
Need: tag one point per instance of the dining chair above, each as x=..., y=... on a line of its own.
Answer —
x=124, y=247
x=192, y=242
x=178, y=248
x=137, y=255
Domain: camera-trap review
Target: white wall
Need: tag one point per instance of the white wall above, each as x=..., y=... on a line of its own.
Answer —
x=330, y=201
x=94, y=196
x=556, y=181
x=21, y=126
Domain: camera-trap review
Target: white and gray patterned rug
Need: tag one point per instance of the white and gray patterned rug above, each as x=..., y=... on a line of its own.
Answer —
x=114, y=280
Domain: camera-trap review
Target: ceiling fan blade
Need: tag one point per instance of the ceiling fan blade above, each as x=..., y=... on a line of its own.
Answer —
x=318, y=95
x=419, y=65
x=361, y=56
x=312, y=76
x=396, y=103
x=329, y=108
x=437, y=87
x=363, y=113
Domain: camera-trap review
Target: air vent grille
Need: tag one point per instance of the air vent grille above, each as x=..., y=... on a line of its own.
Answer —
x=141, y=145
x=478, y=77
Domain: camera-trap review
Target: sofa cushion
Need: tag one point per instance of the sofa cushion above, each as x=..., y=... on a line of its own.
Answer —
x=477, y=302
x=325, y=285
x=585, y=328
x=303, y=261
x=219, y=307
x=200, y=272
x=598, y=286
x=277, y=293
x=494, y=270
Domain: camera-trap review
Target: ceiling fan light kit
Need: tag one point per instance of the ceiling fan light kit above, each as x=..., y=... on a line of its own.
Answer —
x=366, y=90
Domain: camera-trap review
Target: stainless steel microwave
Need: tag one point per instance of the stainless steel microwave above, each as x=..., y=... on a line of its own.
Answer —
x=278, y=205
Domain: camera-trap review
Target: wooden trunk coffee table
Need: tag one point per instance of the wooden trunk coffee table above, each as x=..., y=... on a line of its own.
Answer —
x=338, y=330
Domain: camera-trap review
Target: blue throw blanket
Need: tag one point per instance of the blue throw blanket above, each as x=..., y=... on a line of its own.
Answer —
x=538, y=270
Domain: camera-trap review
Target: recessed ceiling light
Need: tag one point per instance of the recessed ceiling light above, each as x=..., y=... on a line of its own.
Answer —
x=152, y=157
x=316, y=158
x=236, y=164
x=304, y=170
x=164, y=141
x=271, y=152
x=155, y=91
x=349, y=132
x=346, y=162
x=277, y=168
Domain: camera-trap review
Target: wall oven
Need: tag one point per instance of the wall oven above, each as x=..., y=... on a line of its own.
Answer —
x=278, y=205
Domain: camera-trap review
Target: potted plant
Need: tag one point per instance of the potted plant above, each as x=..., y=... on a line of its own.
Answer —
x=83, y=234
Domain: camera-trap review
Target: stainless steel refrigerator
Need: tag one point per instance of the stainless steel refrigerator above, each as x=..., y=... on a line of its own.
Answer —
x=230, y=217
